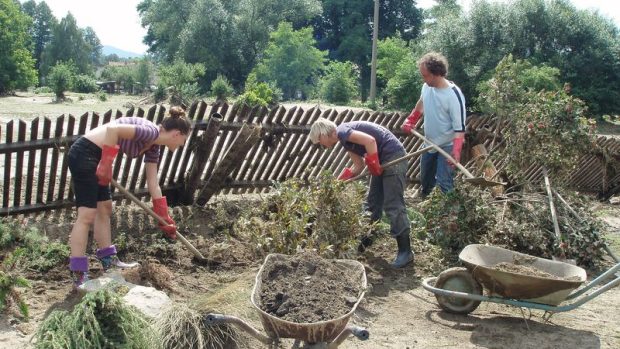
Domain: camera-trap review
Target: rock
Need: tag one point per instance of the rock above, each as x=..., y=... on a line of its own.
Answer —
x=148, y=300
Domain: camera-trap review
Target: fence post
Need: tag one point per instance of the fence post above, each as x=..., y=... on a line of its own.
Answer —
x=201, y=151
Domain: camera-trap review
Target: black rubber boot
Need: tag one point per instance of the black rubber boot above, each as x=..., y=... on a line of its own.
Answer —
x=405, y=255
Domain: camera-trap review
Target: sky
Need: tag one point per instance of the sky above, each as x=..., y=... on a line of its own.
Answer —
x=117, y=23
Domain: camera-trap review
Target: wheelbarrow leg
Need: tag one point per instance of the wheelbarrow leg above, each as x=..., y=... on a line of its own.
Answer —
x=216, y=319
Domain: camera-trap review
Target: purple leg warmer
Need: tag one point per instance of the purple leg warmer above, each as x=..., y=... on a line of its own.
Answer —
x=107, y=251
x=78, y=264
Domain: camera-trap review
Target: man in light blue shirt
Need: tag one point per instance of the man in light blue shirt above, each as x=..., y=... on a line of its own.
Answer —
x=443, y=105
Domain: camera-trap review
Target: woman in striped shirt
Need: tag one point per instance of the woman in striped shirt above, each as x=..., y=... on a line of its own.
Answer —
x=90, y=162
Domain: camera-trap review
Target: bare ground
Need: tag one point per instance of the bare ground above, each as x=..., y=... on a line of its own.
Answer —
x=396, y=310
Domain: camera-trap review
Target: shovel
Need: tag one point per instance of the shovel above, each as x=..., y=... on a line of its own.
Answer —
x=479, y=181
x=554, y=218
x=152, y=213
x=391, y=163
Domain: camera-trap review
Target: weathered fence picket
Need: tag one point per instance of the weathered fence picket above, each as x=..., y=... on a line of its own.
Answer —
x=36, y=175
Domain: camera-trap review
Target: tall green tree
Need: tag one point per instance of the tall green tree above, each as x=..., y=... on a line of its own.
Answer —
x=17, y=67
x=93, y=45
x=345, y=29
x=584, y=46
x=41, y=30
x=68, y=44
x=291, y=60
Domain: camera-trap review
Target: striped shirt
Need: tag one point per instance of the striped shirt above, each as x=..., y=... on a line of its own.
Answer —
x=146, y=133
x=444, y=113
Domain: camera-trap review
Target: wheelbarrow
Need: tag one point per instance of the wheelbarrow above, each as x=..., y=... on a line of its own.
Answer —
x=315, y=335
x=460, y=290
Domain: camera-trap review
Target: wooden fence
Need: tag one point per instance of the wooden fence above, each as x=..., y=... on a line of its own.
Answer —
x=34, y=164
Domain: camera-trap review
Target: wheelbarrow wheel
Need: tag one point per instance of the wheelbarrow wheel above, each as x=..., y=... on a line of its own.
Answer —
x=459, y=280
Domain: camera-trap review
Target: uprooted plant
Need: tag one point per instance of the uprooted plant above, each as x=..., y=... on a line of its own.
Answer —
x=324, y=214
x=101, y=320
x=10, y=281
x=519, y=222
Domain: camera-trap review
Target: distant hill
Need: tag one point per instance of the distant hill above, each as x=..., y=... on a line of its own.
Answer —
x=108, y=50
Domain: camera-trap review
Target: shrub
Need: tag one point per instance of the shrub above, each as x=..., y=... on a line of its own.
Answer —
x=84, y=84
x=403, y=89
x=43, y=89
x=221, y=89
x=102, y=96
x=160, y=93
x=60, y=79
x=259, y=94
x=340, y=82
x=324, y=214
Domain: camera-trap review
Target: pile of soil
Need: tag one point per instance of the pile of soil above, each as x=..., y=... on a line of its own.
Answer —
x=306, y=288
x=530, y=271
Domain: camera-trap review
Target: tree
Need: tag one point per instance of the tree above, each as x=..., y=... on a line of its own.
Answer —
x=42, y=23
x=291, y=60
x=584, y=46
x=345, y=29
x=94, y=45
x=68, y=44
x=17, y=67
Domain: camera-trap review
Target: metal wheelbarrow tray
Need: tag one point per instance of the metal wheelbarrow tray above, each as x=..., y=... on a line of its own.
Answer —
x=322, y=334
x=460, y=290
x=481, y=260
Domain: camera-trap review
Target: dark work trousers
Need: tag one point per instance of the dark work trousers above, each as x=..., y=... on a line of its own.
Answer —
x=386, y=193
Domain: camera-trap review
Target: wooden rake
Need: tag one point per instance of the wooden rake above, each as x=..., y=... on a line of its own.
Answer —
x=152, y=213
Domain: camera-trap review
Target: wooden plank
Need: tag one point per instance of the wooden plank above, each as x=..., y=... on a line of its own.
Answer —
x=203, y=147
x=19, y=165
x=32, y=155
x=303, y=142
x=197, y=113
x=283, y=162
x=6, y=192
x=220, y=142
x=258, y=170
x=251, y=158
x=47, y=125
x=65, y=161
x=266, y=174
x=54, y=163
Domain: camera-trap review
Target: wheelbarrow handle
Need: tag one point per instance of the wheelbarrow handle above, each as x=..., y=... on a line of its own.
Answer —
x=218, y=319
x=157, y=217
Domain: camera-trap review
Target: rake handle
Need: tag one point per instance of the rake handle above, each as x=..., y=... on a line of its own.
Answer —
x=156, y=216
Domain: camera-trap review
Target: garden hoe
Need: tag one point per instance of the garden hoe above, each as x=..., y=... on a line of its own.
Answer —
x=152, y=213
x=479, y=181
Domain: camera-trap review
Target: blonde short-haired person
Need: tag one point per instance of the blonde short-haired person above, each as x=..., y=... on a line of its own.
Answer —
x=443, y=105
x=90, y=162
x=371, y=145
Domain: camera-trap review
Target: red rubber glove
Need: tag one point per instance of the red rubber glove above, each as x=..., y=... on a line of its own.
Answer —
x=346, y=174
x=411, y=121
x=104, y=169
x=457, y=146
x=372, y=161
x=160, y=206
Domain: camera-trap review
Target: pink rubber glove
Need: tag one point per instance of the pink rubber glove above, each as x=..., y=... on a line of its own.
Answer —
x=346, y=174
x=160, y=206
x=374, y=166
x=104, y=168
x=411, y=121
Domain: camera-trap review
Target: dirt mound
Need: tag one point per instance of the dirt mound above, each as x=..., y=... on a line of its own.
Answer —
x=306, y=288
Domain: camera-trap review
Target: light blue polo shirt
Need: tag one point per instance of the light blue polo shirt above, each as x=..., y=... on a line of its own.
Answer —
x=444, y=113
